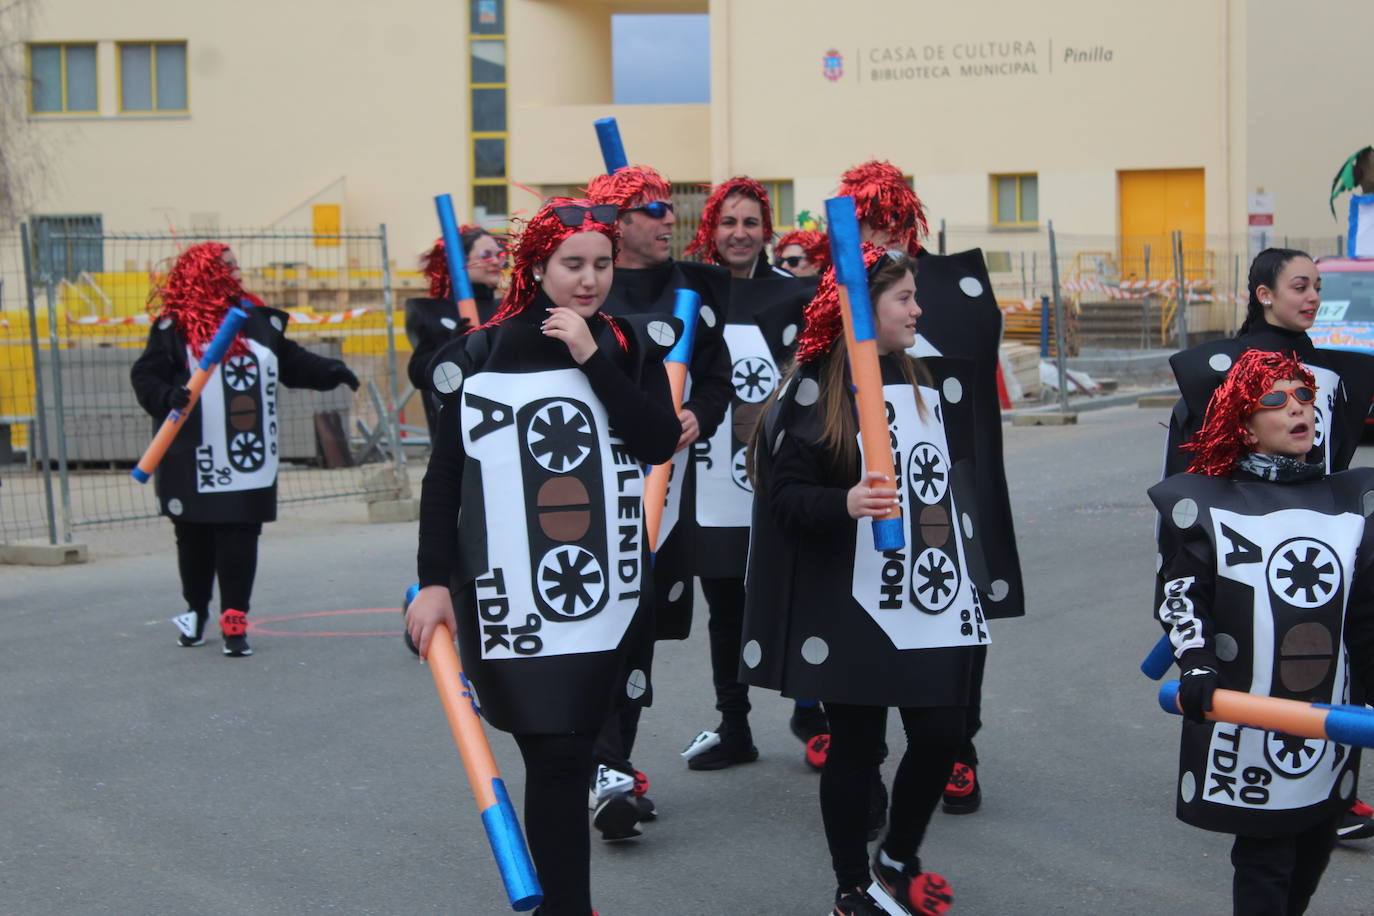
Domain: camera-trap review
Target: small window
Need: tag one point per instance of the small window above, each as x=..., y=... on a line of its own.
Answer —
x=152, y=77
x=488, y=17
x=488, y=61
x=66, y=245
x=489, y=201
x=62, y=79
x=1015, y=200
x=488, y=111
x=489, y=157
x=780, y=197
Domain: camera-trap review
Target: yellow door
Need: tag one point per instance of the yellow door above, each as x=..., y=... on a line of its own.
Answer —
x=1153, y=204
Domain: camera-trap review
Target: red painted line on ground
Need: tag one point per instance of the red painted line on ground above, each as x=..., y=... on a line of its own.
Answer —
x=256, y=626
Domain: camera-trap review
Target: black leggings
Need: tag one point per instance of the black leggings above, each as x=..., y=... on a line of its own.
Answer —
x=229, y=552
x=1277, y=876
x=934, y=736
x=557, y=769
x=724, y=626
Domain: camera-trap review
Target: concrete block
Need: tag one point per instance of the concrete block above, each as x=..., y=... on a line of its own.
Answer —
x=396, y=510
x=1157, y=400
x=1049, y=418
x=41, y=553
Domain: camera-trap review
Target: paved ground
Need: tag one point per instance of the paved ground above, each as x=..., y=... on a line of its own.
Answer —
x=318, y=775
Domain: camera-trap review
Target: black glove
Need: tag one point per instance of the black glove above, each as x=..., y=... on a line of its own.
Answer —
x=1195, y=689
x=342, y=375
x=176, y=398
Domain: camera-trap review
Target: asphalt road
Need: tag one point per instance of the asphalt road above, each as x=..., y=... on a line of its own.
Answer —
x=318, y=776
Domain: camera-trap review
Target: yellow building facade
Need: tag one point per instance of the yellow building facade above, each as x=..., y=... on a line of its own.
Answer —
x=1109, y=118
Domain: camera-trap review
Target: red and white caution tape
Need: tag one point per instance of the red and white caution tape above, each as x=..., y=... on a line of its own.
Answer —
x=296, y=318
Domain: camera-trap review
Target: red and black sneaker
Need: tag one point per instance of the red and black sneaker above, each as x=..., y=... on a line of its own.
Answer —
x=234, y=625
x=817, y=750
x=1357, y=823
x=921, y=893
x=963, y=795
x=647, y=811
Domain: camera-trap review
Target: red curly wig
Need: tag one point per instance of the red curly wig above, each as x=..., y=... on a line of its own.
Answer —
x=884, y=202
x=630, y=187
x=197, y=293
x=536, y=243
x=703, y=244
x=1221, y=441
x=816, y=246
x=823, y=323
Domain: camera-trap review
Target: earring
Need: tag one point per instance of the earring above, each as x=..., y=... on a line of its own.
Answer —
x=1266, y=303
x=538, y=278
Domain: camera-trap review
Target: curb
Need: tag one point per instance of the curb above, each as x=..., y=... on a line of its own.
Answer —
x=1081, y=404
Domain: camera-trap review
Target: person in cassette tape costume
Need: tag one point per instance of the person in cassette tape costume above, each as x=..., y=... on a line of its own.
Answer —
x=646, y=282
x=218, y=480
x=1284, y=296
x=433, y=321
x=909, y=619
x=1268, y=583
x=736, y=224
x=960, y=319
x=548, y=414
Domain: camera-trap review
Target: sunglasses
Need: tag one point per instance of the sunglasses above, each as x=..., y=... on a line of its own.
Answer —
x=495, y=257
x=1273, y=400
x=655, y=209
x=894, y=254
x=792, y=260
x=574, y=215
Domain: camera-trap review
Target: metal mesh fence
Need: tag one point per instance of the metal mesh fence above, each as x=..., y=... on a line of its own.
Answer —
x=1121, y=292
x=70, y=427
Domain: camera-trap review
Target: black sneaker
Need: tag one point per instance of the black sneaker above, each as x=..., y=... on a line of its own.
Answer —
x=234, y=625
x=616, y=817
x=877, y=806
x=963, y=793
x=807, y=722
x=736, y=746
x=192, y=627
x=916, y=892
x=1357, y=822
x=856, y=902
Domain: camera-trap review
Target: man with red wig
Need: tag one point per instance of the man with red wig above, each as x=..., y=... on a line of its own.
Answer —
x=218, y=481
x=736, y=224
x=1267, y=573
x=802, y=253
x=646, y=280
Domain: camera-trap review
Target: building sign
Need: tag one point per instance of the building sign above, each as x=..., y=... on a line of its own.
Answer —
x=952, y=60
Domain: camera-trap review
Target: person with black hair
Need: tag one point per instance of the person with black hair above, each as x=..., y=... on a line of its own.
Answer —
x=1284, y=296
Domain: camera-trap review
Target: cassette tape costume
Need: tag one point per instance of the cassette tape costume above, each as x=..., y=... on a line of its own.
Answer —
x=735, y=225
x=548, y=413
x=218, y=481
x=646, y=282
x=434, y=320
x=910, y=618
x=1285, y=293
x=960, y=319
x=1269, y=589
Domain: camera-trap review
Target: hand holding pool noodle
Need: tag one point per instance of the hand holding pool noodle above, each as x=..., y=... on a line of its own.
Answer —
x=498, y=814
x=686, y=307
x=162, y=440
x=612, y=150
x=457, y=266
x=1343, y=724
x=846, y=254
